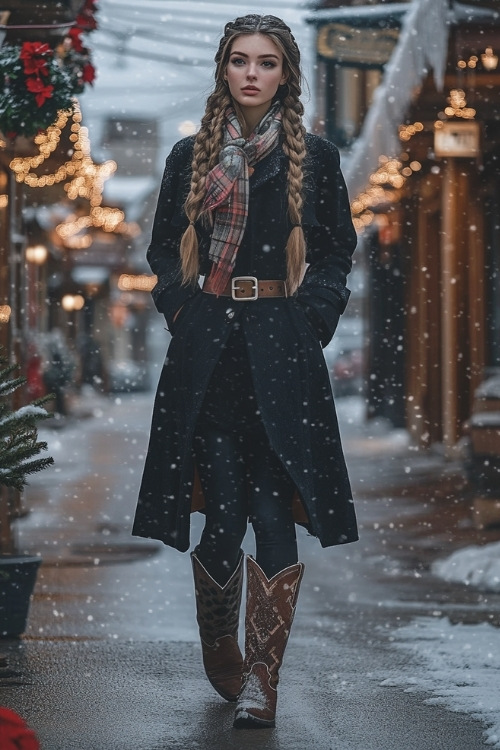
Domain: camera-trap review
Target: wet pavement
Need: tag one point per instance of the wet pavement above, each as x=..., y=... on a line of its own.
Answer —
x=111, y=657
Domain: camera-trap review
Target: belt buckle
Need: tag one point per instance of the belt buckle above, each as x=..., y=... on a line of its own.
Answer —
x=235, y=288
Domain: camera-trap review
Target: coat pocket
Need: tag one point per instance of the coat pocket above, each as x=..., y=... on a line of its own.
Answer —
x=309, y=318
x=182, y=315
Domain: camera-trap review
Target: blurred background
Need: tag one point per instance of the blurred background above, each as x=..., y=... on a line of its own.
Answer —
x=409, y=91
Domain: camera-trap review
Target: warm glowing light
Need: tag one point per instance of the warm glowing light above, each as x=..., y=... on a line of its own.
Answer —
x=5, y=312
x=458, y=106
x=83, y=178
x=36, y=254
x=141, y=282
x=489, y=59
x=408, y=131
x=4, y=201
x=385, y=185
x=72, y=302
x=187, y=127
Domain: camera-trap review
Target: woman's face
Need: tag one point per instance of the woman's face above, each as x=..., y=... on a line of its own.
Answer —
x=254, y=72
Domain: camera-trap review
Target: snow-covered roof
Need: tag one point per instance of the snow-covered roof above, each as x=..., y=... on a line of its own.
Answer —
x=366, y=15
x=422, y=46
x=361, y=15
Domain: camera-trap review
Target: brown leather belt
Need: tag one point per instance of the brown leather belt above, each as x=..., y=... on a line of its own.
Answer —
x=249, y=288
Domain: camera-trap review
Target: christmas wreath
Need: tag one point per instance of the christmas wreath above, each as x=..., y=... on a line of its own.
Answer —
x=33, y=88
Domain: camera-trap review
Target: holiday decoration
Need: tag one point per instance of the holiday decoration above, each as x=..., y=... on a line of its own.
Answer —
x=34, y=87
x=19, y=443
x=37, y=82
x=14, y=733
x=74, y=53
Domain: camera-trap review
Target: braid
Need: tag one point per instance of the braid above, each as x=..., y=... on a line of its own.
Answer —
x=209, y=142
x=206, y=150
x=295, y=149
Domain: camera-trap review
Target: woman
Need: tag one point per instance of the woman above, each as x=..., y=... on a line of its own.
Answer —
x=244, y=425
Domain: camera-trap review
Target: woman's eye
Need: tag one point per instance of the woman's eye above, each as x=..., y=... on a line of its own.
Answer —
x=269, y=64
x=237, y=61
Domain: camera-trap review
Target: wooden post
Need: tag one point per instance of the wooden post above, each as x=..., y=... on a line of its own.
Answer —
x=449, y=304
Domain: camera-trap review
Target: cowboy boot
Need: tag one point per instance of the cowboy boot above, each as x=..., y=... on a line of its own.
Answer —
x=269, y=615
x=217, y=613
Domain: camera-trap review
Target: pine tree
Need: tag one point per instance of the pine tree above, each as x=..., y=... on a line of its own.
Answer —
x=19, y=442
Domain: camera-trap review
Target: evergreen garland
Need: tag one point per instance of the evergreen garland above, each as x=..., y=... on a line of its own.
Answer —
x=33, y=89
x=19, y=442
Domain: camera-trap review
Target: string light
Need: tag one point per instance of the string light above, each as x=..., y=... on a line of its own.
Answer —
x=5, y=312
x=458, y=106
x=489, y=59
x=408, y=131
x=4, y=200
x=385, y=187
x=387, y=181
x=47, y=142
x=72, y=302
x=83, y=177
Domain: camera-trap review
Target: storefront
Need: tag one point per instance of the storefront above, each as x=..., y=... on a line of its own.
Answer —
x=429, y=214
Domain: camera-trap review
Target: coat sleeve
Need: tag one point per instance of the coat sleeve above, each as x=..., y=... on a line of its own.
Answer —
x=169, y=224
x=331, y=243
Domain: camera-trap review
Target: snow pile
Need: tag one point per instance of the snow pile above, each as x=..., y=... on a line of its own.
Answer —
x=459, y=667
x=472, y=566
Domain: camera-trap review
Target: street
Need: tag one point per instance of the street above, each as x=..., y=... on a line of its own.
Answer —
x=111, y=657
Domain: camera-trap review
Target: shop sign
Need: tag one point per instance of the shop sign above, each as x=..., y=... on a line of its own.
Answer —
x=459, y=139
x=350, y=45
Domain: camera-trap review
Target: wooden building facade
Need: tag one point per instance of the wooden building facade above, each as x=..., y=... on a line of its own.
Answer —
x=433, y=240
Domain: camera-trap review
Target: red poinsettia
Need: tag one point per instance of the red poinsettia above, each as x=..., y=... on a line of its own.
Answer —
x=88, y=73
x=29, y=49
x=14, y=733
x=85, y=20
x=34, y=57
x=75, y=34
x=41, y=91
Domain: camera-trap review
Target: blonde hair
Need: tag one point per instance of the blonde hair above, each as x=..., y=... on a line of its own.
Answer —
x=209, y=141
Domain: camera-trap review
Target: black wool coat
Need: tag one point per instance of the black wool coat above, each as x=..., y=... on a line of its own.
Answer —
x=284, y=339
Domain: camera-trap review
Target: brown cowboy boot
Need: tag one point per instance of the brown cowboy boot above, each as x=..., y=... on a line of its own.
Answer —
x=269, y=615
x=217, y=613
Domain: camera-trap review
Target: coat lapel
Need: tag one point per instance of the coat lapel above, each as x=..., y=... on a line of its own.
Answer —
x=269, y=167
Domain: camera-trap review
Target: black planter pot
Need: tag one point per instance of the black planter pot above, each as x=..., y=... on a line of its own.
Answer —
x=17, y=581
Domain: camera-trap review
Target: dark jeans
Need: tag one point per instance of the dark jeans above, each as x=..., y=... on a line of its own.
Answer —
x=241, y=476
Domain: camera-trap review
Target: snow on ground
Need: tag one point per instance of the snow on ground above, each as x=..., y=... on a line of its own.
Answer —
x=458, y=665
x=472, y=566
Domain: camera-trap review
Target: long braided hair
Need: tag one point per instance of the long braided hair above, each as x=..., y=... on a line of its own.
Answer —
x=209, y=141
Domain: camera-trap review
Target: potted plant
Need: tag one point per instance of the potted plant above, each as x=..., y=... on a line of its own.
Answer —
x=19, y=451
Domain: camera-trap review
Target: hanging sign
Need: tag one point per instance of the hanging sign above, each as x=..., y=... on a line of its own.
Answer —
x=350, y=46
x=459, y=139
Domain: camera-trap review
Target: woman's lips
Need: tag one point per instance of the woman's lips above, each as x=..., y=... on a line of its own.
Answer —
x=250, y=90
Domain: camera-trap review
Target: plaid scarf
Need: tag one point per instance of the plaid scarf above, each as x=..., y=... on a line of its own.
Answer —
x=228, y=189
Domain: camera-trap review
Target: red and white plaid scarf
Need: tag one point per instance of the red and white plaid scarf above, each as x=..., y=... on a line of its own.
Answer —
x=228, y=189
